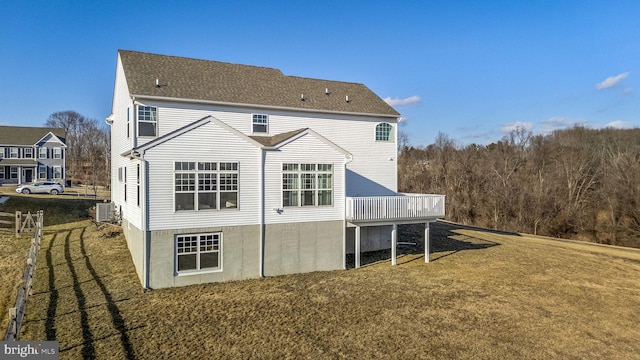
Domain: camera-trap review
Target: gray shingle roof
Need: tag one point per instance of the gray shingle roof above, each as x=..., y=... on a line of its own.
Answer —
x=204, y=80
x=276, y=139
x=22, y=135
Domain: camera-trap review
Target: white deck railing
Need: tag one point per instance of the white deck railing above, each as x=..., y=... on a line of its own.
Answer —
x=400, y=207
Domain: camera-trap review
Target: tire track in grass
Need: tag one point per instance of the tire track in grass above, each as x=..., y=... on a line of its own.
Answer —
x=114, y=311
x=88, y=350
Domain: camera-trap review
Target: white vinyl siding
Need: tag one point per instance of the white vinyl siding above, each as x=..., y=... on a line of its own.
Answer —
x=228, y=148
x=309, y=150
x=372, y=172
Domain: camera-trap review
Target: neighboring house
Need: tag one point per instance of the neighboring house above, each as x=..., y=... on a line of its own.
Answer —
x=28, y=154
x=223, y=171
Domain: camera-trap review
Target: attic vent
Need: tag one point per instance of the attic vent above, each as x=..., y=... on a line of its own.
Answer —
x=347, y=98
x=302, y=97
x=157, y=82
x=326, y=91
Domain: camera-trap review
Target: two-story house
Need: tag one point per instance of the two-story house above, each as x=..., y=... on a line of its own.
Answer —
x=223, y=171
x=28, y=154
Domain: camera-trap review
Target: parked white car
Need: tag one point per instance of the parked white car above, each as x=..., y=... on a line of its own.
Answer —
x=46, y=187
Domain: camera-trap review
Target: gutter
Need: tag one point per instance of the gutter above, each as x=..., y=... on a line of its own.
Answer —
x=136, y=97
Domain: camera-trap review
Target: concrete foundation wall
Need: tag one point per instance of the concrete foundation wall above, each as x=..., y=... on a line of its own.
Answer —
x=372, y=238
x=240, y=256
x=289, y=248
x=135, y=243
x=292, y=248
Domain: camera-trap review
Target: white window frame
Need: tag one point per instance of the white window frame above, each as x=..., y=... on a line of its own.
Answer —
x=2, y=152
x=206, y=177
x=14, y=152
x=199, y=245
x=147, y=115
x=42, y=169
x=13, y=172
x=384, y=132
x=57, y=170
x=42, y=152
x=57, y=153
x=259, y=121
x=28, y=153
x=307, y=178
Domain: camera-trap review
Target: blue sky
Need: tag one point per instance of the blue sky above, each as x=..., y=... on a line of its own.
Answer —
x=470, y=69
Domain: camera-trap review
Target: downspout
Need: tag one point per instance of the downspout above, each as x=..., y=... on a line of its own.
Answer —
x=344, y=212
x=146, y=238
x=262, y=213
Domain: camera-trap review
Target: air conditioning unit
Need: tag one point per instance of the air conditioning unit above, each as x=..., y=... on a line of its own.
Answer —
x=105, y=212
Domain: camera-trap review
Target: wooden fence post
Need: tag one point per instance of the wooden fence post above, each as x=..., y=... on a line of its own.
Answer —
x=18, y=222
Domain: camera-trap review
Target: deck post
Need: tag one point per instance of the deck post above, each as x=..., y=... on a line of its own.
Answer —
x=394, y=243
x=427, y=242
x=357, y=251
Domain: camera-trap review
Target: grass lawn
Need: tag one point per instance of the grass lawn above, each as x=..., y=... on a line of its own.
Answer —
x=484, y=295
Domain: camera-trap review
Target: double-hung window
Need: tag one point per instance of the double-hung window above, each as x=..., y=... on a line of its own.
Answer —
x=57, y=153
x=2, y=152
x=42, y=172
x=28, y=153
x=206, y=185
x=260, y=123
x=14, y=172
x=147, y=121
x=42, y=152
x=57, y=172
x=197, y=252
x=14, y=152
x=307, y=184
x=383, y=132
x=1, y=172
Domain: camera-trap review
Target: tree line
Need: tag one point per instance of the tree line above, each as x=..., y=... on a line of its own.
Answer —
x=88, y=154
x=577, y=183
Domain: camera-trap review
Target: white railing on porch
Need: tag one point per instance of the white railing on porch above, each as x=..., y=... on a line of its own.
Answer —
x=400, y=207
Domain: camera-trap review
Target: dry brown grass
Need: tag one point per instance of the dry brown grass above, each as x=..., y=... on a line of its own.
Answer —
x=13, y=255
x=484, y=295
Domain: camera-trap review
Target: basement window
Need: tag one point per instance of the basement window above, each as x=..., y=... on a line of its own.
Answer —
x=198, y=252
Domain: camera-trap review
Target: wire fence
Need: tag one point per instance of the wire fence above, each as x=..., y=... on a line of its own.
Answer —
x=16, y=314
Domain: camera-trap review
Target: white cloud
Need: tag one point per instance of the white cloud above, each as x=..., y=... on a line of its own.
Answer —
x=619, y=124
x=509, y=127
x=4, y=123
x=411, y=100
x=557, y=123
x=627, y=91
x=611, y=81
